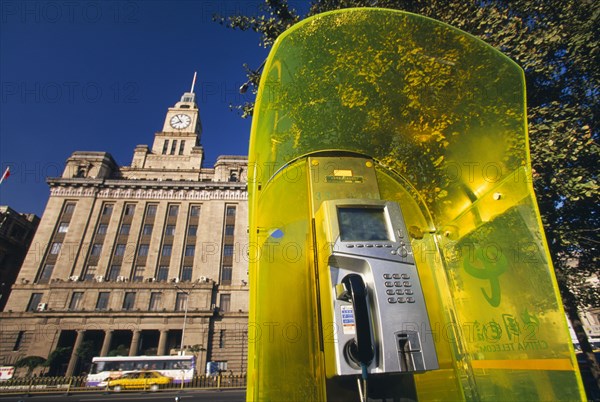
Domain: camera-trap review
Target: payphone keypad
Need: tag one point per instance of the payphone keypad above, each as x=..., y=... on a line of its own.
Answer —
x=398, y=288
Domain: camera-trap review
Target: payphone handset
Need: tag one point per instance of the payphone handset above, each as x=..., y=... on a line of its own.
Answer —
x=372, y=306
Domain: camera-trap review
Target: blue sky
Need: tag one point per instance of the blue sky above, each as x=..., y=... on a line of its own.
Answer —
x=100, y=75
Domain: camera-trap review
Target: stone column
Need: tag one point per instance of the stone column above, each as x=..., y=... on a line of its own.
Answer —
x=106, y=343
x=135, y=342
x=74, y=357
x=162, y=342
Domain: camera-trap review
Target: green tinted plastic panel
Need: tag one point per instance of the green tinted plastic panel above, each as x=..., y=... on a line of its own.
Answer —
x=444, y=116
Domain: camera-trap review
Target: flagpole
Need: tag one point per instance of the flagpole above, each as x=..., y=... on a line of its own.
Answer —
x=5, y=175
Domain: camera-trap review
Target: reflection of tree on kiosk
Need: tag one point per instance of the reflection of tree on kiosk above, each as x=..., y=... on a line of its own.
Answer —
x=420, y=280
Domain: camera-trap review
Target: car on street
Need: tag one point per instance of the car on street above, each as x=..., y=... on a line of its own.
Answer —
x=147, y=379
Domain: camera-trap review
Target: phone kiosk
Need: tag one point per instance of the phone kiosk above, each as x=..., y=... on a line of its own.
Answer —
x=396, y=250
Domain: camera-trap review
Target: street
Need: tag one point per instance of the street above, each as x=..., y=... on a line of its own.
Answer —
x=164, y=396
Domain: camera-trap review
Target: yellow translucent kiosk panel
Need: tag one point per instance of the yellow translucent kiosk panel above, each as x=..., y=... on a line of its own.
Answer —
x=408, y=127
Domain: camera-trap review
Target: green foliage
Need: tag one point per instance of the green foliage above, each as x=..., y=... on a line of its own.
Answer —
x=86, y=350
x=57, y=359
x=276, y=19
x=120, y=350
x=197, y=348
x=557, y=45
x=31, y=362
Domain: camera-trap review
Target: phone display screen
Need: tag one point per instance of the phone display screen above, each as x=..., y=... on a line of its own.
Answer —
x=363, y=224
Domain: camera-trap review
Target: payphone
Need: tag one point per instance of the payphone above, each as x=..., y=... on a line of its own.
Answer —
x=372, y=307
x=370, y=201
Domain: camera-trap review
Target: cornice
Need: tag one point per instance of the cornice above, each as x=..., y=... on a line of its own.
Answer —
x=147, y=189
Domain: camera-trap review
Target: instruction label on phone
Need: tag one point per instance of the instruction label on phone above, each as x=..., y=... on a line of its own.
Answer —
x=348, y=324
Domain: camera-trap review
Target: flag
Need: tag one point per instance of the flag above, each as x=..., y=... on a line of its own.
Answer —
x=5, y=175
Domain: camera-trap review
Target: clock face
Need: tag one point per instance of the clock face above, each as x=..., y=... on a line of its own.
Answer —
x=180, y=121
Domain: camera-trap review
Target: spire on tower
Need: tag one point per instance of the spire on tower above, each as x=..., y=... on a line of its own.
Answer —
x=189, y=97
x=193, y=82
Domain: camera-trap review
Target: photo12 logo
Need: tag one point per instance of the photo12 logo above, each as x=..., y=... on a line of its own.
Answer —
x=35, y=172
x=70, y=12
x=69, y=92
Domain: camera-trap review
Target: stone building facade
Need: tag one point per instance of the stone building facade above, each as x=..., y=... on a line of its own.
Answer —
x=131, y=259
x=16, y=233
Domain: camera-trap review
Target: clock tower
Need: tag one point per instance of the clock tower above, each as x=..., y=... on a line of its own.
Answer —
x=181, y=130
x=183, y=118
x=176, y=152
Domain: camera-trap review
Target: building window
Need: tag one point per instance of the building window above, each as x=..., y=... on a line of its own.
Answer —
x=166, y=250
x=124, y=229
x=138, y=273
x=75, y=301
x=180, y=301
x=63, y=227
x=226, y=274
x=143, y=250
x=129, y=301
x=46, y=273
x=233, y=176
x=69, y=208
x=173, y=210
x=102, y=303
x=113, y=272
x=120, y=250
x=34, y=301
x=170, y=230
x=96, y=249
x=163, y=273
x=90, y=273
x=81, y=171
x=228, y=250
x=229, y=230
x=230, y=211
x=195, y=210
x=225, y=304
x=152, y=210
x=19, y=341
x=181, y=147
x=192, y=230
x=155, y=298
x=55, y=248
x=165, y=147
x=147, y=230
x=102, y=228
x=190, y=250
x=186, y=274
x=173, y=147
x=222, y=338
x=107, y=210
x=129, y=209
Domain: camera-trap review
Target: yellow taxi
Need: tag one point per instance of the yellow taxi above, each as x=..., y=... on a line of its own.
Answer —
x=152, y=380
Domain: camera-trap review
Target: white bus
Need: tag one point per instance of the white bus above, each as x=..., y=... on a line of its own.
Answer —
x=179, y=368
